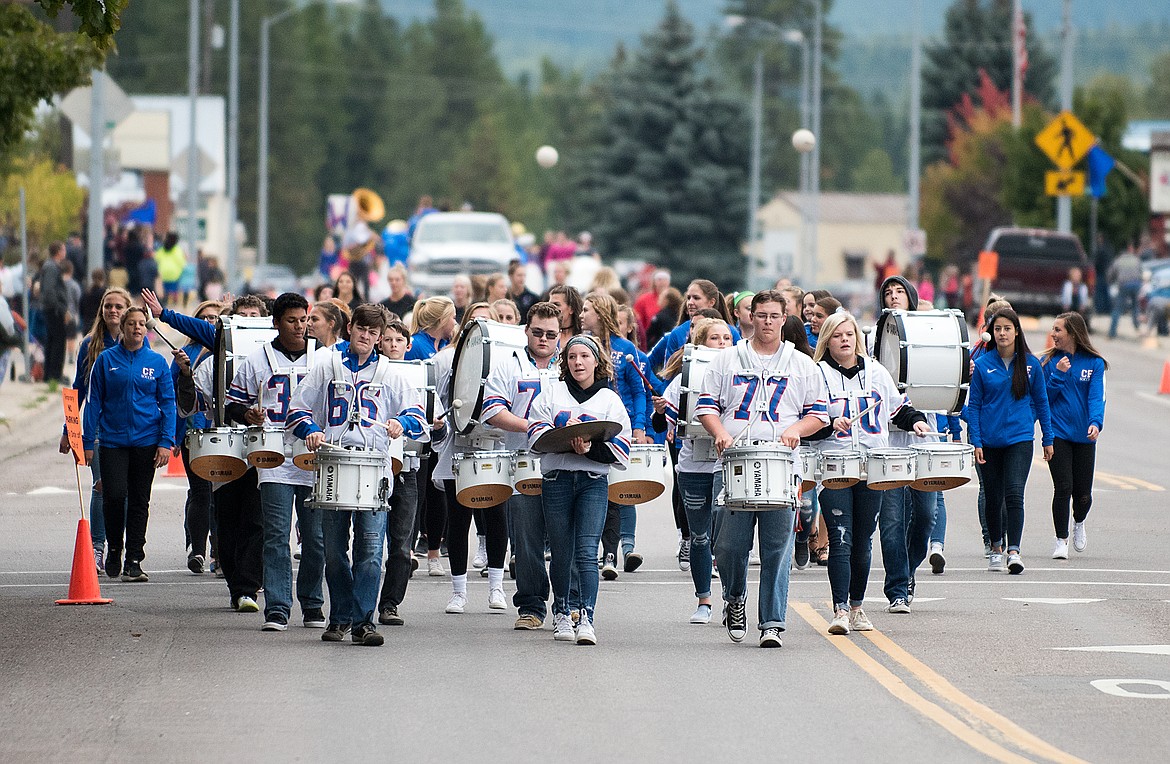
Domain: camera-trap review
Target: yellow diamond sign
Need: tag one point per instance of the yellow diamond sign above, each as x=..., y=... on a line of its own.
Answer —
x=1065, y=140
x=1064, y=183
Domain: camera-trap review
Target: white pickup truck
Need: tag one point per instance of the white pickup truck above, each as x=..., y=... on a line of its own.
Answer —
x=446, y=244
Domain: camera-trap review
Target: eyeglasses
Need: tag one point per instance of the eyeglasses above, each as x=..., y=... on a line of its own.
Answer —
x=769, y=316
x=546, y=334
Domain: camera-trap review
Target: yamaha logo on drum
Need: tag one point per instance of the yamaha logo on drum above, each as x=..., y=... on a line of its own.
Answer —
x=758, y=478
x=330, y=483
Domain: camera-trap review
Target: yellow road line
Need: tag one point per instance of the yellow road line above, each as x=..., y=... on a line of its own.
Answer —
x=1115, y=481
x=1123, y=482
x=1136, y=481
x=1014, y=733
x=900, y=690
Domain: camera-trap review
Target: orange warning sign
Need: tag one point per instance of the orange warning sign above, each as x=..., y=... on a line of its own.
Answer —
x=73, y=423
x=988, y=265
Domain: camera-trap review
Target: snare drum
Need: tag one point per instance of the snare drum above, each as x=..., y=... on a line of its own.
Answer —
x=395, y=451
x=841, y=469
x=889, y=468
x=759, y=476
x=483, y=479
x=526, y=476
x=217, y=454
x=350, y=480
x=302, y=457
x=942, y=466
x=644, y=479
x=808, y=467
x=928, y=355
x=264, y=447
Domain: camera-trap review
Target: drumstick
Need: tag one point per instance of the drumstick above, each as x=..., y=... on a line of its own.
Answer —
x=630, y=358
x=152, y=325
x=853, y=420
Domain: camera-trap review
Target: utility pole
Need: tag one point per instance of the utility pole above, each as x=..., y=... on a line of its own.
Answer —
x=810, y=273
x=94, y=224
x=915, y=171
x=753, y=266
x=262, y=159
x=1018, y=53
x=233, y=253
x=1064, y=203
x=192, y=144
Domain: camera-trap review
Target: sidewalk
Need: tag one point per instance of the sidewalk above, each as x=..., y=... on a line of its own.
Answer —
x=25, y=405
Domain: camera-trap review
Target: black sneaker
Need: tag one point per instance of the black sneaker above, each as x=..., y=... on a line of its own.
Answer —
x=275, y=622
x=735, y=619
x=633, y=561
x=802, y=556
x=413, y=564
x=133, y=573
x=335, y=632
x=609, y=568
x=313, y=618
x=195, y=564
x=114, y=562
x=389, y=616
x=910, y=592
x=367, y=635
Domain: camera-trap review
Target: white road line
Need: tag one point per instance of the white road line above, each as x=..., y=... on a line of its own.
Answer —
x=1133, y=649
x=1050, y=601
x=1114, y=687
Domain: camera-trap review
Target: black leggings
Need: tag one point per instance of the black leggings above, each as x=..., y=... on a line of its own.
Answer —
x=127, y=477
x=432, y=504
x=459, y=525
x=680, y=513
x=1072, y=478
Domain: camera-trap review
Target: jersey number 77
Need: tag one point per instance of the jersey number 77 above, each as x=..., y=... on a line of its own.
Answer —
x=773, y=388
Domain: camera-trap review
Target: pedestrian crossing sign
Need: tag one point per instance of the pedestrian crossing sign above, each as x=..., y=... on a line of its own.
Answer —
x=1064, y=183
x=1065, y=140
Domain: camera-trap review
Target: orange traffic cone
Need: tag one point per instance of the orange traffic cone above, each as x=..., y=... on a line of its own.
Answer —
x=83, y=582
x=1164, y=388
x=175, y=467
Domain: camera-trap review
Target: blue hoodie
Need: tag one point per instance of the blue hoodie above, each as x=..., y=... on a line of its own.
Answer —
x=675, y=339
x=131, y=400
x=1077, y=396
x=627, y=383
x=995, y=418
x=200, y=331
x=423, y=346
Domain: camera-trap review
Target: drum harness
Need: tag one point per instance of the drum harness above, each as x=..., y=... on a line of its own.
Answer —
x=295, y=373
x=702, y=446
x=760, y=402
x=355, y=418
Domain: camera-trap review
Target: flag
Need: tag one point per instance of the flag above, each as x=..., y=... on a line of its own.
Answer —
x=1100, y=165
x=145, y=214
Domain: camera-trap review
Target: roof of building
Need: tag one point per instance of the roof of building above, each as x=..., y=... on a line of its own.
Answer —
x=852, y=208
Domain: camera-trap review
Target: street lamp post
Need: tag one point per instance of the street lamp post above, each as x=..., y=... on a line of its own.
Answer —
x=233, y=194
x=262, y=160
x=814, y=189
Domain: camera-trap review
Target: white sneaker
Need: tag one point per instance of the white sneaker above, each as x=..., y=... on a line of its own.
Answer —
x=1080, y=540
x=840, y=622
x=496, y=600
x=435, y=567
x=457, y=603
x=995, y=563
x=1060, y=549
x=1015, y=564
x=586, y=635
x=702, y=615
x=858, y=620
x=938, y=561
x=563, y=628
x=480, y=559
x=754, y=558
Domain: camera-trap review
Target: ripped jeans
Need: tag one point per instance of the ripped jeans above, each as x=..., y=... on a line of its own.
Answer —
x=851, y=516
x=353, y=589
x=698, y=496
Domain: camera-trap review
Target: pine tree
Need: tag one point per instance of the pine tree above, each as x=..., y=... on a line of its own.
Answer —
x=977, y=37
x=666, y=181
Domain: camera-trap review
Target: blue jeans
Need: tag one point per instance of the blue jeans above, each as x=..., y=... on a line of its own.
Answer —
x=1005, y=474
x=629, y=527
x=808, y=517
x=526, y=523
x=939, y=534
x=277, y=501
x=698, y=497
x=574, y=514
x=1126, y=302
x=851, y=517
x=353, y=589
x=907, y=517
x=777, y=533
x=97, y=518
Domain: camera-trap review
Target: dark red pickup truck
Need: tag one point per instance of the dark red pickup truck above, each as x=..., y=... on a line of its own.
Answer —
x=1033, y=266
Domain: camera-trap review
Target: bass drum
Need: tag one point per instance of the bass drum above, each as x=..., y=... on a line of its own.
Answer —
x=235, y=339
x=928, y=353
x=696, y=359
x=483, y=345
x=644, y=478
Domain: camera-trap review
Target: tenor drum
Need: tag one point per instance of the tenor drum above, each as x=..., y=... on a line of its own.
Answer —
x=350, y=480
x=696, y=359
x=217, y=454
x=808, y=467
x=644, y=479
x=889, y=468
x=759, y=476
x=264, y=447
x=483, y=479
x=942, y=466
x=526, y=476
x=841, y=469
x=928, y=353
x=302, y=457
x=483, y=345
x=395, y=451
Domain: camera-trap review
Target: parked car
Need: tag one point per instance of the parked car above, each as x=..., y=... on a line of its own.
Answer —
x=272, y=279
x=446, y=244
x=1033, y=266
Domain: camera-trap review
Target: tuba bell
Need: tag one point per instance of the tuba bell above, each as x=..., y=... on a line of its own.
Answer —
x=368, y=206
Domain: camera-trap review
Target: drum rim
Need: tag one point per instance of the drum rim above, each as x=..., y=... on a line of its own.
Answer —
x=478, y=327
x=903, y=356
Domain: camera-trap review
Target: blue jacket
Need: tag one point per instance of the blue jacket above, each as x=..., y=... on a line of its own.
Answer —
x=808, y=334
x=200, y=331
x=423, y=346
x=627, y=383
x=131, y=400
x=670, y=343
x=997, y=419
x=1076, y=396
x=659, y=386
x=198, y=420
x=81, y=377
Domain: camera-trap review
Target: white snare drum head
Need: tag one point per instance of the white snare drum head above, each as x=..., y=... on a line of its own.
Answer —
x=925, y=353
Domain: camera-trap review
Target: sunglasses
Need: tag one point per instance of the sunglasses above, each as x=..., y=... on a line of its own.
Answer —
x=546, y=334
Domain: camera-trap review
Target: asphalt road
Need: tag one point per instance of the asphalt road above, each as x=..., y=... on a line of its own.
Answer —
x=987, y=667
